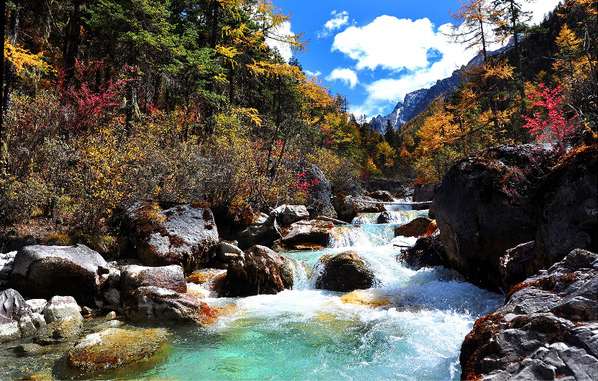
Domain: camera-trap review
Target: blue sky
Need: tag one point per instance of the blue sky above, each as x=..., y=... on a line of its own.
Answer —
x=374, y=52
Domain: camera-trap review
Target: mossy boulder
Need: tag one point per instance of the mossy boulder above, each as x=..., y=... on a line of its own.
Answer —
x=115, y=347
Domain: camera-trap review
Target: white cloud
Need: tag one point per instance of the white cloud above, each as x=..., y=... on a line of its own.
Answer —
x=274, y=43
x=401, y=46
x=338, y=20
x=387, y=42
x=310, y=73
x=539, y=9
x=347, y=76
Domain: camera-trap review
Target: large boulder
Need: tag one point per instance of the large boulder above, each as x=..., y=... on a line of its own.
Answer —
x=45, y=271
x=114, y=347
x=344, y=272
x=427, y=252
x=568, y=199
x=259, y=270
x=483, y=208
x=546, y=330
x=305, y=235
x=170, y=277
x=184, y=235
x=151, y=304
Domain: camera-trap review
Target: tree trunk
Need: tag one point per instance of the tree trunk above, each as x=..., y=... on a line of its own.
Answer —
x=72, y=40
x=3, y=147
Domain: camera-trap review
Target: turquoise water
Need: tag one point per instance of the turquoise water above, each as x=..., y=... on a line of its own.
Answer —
x=307, y=334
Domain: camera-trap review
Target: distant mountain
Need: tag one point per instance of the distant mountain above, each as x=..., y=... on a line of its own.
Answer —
x=417, y=101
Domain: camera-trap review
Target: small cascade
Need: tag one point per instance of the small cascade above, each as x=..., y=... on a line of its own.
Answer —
x=348, y=236
x=410, y=325
x=301, y=273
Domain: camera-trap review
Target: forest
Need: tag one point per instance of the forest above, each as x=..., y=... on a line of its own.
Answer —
x=111, y=101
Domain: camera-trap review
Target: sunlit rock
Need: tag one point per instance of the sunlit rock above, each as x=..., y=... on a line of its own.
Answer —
x=114, y=347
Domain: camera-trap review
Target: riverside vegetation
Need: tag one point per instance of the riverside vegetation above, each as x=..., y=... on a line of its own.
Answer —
x=159, y=163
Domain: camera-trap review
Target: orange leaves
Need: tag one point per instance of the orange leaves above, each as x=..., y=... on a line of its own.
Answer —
x=23, y=59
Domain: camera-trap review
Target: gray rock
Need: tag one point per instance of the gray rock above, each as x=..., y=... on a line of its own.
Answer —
x=185, y=235
x=45, y=271
x=36, y=305
x=308, y=235
x=227, y=251
x=27, y=326
x=287, y=214
x=61, y=307
x=12, y=304
x=320, y=192
x=169, y=277
x=155, y=304
x=60, y=331
x=547, y=329
x=9, y=329
x=259, y=270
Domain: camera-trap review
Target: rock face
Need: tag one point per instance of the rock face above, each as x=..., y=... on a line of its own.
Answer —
x=344, y=272
x=306, y=235
x=483, y=208
x=320, y=192
x=569, y=208
x=45, y=271
x=259, y=270
x=415, y=228
x=546, y=330
x=184, y=235
x=153, y=304
x=170, y=277
x=114, y=347
x=427, y=252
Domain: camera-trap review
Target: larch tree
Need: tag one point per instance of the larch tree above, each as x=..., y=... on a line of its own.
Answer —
x=474, y=22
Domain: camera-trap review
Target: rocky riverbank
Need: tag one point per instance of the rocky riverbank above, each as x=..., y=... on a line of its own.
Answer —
x=501, y=218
